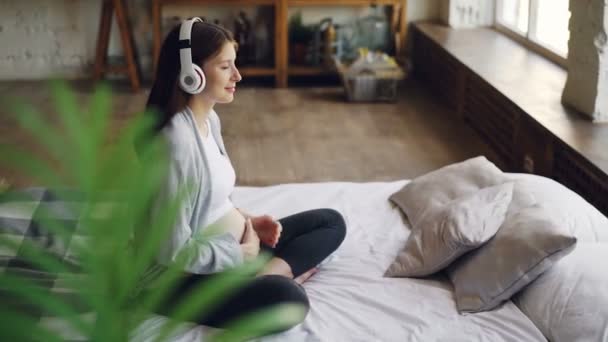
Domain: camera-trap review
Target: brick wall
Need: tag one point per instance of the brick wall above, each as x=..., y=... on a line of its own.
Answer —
x=56, y=38
x=43, y=39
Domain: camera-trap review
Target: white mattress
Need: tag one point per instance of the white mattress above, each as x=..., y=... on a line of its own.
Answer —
x=350, y=299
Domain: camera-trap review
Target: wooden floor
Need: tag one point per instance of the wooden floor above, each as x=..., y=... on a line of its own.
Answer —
x=302, y=134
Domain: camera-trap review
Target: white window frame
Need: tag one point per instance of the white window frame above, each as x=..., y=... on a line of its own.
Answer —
x=527, y=39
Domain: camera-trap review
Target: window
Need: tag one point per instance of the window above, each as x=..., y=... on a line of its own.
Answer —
x=542, y=23
x=551, y=25
x=514, y=15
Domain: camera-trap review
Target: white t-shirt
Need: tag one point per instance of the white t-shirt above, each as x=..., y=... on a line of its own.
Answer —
x=222, y=180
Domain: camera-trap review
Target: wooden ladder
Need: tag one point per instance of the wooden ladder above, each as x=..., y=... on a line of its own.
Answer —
x=105, y=24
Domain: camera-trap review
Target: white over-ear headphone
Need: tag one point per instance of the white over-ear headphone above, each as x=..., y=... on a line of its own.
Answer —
x=191, y=76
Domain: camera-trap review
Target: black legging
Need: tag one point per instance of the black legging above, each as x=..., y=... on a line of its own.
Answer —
x=306, y=240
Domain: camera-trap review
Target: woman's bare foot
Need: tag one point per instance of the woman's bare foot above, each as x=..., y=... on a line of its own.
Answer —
x=304, y=276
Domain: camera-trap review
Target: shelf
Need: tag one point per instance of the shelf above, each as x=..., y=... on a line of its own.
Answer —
x=219, y=2
x=342, y=2
x=282, y=69
x=257, y=71
x=302, y=70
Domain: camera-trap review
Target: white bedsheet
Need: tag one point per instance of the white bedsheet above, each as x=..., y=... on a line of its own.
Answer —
x=350, y=299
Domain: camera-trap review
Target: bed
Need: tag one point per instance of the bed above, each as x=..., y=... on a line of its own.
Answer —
x=350, y=298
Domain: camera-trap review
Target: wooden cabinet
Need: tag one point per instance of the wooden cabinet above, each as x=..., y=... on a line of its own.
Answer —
x=440, y=71
x=281, y=70
x=533, y=147
x=578, y=174
x=493, y=117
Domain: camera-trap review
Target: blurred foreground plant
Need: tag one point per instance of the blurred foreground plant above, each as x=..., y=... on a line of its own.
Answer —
x=104, y=272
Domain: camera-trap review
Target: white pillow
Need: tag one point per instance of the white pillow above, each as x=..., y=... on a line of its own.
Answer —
x=433, y=190
x=461, y=225
x=583, y=220
x=569, y=302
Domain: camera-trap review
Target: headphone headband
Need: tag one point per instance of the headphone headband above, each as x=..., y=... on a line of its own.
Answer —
x=186, y=29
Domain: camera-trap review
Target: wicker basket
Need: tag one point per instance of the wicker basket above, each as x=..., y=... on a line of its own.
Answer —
x=370, y=85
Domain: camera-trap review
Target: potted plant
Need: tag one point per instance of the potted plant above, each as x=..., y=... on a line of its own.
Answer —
x=105, y=193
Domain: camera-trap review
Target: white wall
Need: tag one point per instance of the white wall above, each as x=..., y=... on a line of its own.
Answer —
x=422, y=9
x=467, y=13
x=56, y=38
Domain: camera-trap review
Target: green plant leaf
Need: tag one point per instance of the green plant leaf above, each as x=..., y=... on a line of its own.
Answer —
x=33, y=253
x=79, y=141
x=100, y=105
x=40, y=130
x=207, y=295
x=42, y=299
x=20, y=327
x=20, y=160
x=119, y=241
x=262, y=322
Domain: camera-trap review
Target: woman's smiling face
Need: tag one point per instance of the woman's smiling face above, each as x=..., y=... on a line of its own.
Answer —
x=222, y=75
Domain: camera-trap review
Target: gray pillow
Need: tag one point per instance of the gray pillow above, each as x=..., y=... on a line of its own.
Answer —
x=461, y=225
x=528, y=243
x=433, y=190
x=570, y=301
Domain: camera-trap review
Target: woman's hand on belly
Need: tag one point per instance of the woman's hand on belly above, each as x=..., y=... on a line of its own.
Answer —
x=251, y=242
x=268, y=229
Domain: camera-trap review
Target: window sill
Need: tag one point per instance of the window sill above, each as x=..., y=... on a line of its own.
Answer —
x=533, y=46
x=512, y=97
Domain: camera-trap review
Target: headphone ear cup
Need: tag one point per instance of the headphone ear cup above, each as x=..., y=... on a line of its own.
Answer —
x=192, y=83
x=189, y=82
x=201, y=79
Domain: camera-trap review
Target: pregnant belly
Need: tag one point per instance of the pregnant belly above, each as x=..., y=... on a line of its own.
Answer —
x=233, y=222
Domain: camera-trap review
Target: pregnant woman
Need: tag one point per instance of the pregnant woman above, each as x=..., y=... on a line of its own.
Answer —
x=196, y=70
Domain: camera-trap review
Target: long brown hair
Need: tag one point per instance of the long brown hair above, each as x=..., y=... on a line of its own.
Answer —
x=166, y=97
